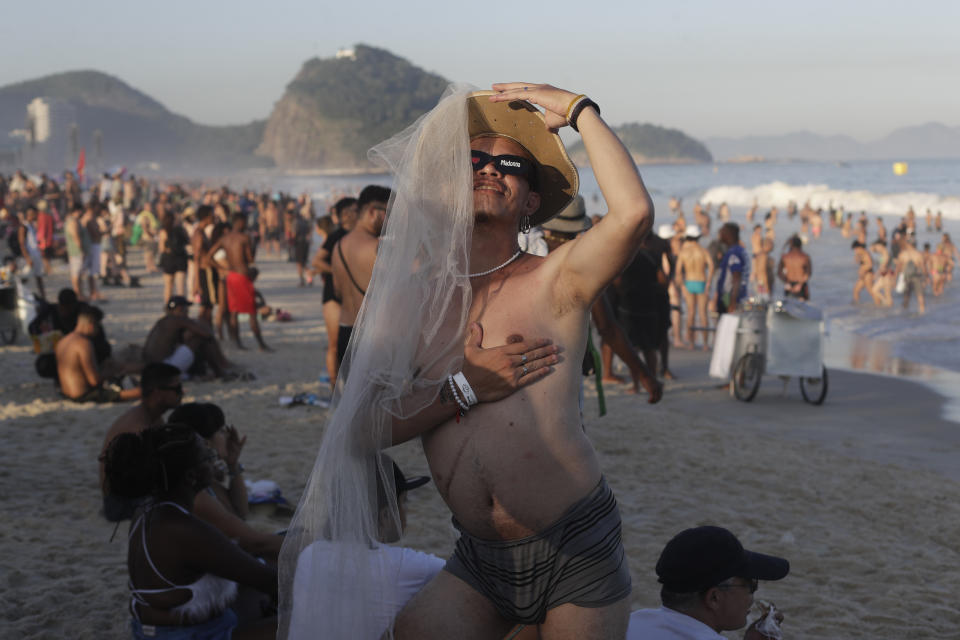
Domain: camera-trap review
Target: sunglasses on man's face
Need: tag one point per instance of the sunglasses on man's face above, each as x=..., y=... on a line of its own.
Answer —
x=506, y=164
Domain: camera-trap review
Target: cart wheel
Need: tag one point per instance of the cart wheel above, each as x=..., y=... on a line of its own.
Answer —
x=8, y=335
x=814, y=390
x=746, y=376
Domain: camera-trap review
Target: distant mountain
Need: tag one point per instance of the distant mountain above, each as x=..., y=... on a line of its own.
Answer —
x=932, y=140
x=133, y=127
x=650, y=144
x=335, y=109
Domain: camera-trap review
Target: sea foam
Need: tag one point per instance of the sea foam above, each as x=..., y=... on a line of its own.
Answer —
x=820, y=195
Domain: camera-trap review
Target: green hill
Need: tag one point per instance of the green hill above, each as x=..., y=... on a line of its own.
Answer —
x=133, y=126
x=650, y=144
x=335, y=109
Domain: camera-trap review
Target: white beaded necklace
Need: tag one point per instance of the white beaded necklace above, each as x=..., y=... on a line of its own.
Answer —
x=489, y=271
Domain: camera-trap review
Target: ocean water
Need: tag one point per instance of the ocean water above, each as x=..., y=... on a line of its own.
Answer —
x=899, y=340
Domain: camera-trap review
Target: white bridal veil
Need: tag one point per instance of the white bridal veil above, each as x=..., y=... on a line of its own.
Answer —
x=408, y=337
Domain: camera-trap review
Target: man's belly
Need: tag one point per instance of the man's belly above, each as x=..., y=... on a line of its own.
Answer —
x=510, y=469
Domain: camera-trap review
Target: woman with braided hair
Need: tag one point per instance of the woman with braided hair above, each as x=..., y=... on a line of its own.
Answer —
x=183, y=572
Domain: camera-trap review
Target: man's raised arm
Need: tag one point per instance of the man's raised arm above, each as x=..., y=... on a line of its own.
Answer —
x=594, y=259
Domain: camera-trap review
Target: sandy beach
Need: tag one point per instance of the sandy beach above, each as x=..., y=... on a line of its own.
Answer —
x=862, y=494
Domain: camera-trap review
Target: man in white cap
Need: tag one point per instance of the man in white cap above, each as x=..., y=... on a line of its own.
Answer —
x=540, y=529
x=694, y=274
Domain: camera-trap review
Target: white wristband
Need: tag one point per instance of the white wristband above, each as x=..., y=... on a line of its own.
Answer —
x=453, y=391
x=465, y=388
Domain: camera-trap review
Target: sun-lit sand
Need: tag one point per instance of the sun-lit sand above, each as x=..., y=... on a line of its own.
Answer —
x=859, y=494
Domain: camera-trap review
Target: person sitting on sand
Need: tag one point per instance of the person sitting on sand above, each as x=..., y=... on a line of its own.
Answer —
x=161, y=390
x=77, y=370
x=239, y=287
x=183, y=572
x=225, y=507
x=708, y=583
x=410, y=570
x=185, y=343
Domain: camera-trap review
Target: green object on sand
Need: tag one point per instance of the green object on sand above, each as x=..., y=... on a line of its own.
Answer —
x=597, y=372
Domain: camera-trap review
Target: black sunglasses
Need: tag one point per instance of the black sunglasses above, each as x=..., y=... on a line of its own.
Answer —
x=752, y=585
x=507, y=164
x=178, y=388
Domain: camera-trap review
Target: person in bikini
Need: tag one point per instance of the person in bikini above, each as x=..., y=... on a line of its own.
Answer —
x=864, y=273
x=540, y=536
x=183, y=573
x=695, y=272
x=353, y=258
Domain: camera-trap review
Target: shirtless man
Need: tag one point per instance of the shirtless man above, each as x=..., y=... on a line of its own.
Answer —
x=756, y=240
x=515, y=467
x=910, y=264
x=353, y=258
x=241, y=297
x=344, y=215
x=864, y=272
x=795, y=270
x=161, y=391
x=694, y=275
x=80, y=378
x=763, y=270
x=185, y=343
x=206, y=277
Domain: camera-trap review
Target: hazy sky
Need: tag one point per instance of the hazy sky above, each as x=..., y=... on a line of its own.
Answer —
x=707, y=67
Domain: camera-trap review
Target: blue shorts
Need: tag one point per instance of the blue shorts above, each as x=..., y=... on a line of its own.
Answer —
x=219, y=628
x=695, y=286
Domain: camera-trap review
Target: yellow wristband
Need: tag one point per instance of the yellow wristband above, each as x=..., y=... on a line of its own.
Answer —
x=573, y=103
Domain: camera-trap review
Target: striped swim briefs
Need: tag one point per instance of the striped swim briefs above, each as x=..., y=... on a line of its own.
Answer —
x=579, y=560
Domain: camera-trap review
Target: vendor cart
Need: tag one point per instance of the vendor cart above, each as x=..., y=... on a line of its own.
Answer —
x=782, y=338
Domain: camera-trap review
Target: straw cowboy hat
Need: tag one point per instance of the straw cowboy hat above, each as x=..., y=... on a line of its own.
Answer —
x=572, y=220
x=523, y=123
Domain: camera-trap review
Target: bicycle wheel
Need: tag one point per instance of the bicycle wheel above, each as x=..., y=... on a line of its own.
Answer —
x=814, y=390
x=8, y=335
x=746, y=376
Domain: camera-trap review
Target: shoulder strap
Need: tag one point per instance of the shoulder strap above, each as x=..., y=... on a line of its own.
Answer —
x=347, y=268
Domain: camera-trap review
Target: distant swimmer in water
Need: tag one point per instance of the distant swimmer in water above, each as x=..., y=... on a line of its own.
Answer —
x=763, y=270
x=795, y=270
x=884, y=281
x=881, y=230
x=910, y=265
x=864, y=272
x=752, y=211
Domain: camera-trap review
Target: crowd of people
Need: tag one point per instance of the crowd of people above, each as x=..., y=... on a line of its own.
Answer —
x=539, y=552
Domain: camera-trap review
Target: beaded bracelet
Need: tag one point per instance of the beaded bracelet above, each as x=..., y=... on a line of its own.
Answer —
x=453, y=389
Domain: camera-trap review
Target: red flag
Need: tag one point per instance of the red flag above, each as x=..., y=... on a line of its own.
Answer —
x=81, y=163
